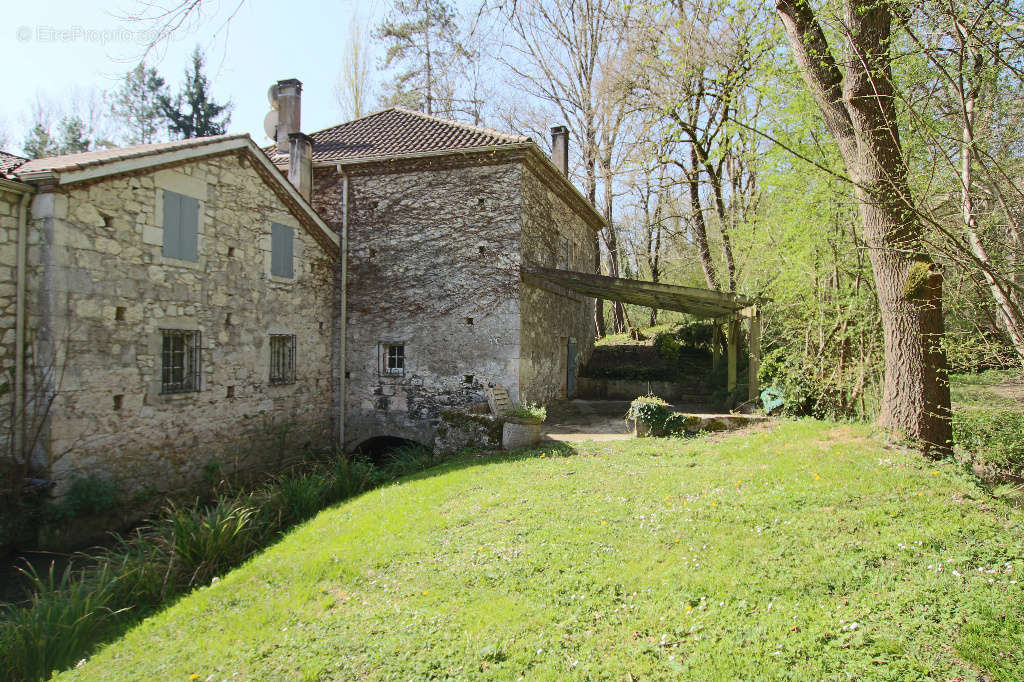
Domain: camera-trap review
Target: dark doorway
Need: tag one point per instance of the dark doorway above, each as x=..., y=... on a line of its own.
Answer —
x=570, y=369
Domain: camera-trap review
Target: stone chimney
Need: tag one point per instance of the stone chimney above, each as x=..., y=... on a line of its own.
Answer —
x=289, y=112
x=300, y=163
x=560, y=148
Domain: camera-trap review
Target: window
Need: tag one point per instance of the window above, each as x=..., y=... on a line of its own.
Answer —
x=393, y=359
x=181, y=226
x=181, y=361
x=282, y=358
x=282, y=243
x=563, y=255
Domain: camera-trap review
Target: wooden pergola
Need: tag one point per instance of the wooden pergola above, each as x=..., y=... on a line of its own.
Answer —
x=719, y=307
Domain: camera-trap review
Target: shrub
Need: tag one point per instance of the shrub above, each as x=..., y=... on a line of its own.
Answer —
x=88, y=495
x=803, y=387
x=297, y=497
x=993, y=437
x=406, y=460
x=531, y=411
x=651, y=410
x=351, y=476
x=668, y=349
x=695, y=335
x=207, y=541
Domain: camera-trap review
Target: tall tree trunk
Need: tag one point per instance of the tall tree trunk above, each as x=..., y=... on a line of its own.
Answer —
x=698, y=226
x=860, y=113
x=1010, y=315
x=612, y=243
x=590, y=186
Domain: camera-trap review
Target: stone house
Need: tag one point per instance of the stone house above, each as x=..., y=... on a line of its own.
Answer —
x=165, y=308
x=437, y=221
x=169, y=307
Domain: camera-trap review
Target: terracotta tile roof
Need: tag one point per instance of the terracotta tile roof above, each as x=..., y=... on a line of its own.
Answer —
x=94, y=158
x=8, y=162
x=397, y=132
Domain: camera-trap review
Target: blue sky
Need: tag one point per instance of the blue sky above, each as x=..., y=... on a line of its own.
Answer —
x=55, y=47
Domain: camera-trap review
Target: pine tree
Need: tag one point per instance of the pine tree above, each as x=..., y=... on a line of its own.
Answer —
x=192, y=113
x=423, y=36
x=40, y=143
x=137, y=105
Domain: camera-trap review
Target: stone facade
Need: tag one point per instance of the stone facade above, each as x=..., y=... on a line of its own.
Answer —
x=106, y=293
x=554, y=320
x=10, y=208
x=435, y=247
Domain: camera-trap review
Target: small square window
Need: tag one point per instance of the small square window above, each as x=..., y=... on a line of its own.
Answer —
x=119, y=312
x=393, y=359
x=469, y=321
x=181, y=356
x=282, y=358
x=231, y=392
x=118, y=402
x=231, y=252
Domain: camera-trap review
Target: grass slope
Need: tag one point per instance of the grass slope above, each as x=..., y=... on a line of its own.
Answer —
x=751, y=557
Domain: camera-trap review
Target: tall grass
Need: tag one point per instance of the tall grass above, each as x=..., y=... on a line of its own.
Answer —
x=66, y=614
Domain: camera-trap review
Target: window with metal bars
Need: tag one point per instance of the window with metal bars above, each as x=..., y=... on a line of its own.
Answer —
x=282, y=358
x=181, y=356
x=393, y=359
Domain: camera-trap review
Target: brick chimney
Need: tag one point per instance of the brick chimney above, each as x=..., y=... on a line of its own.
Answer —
x=289, y=112
x=560, y=148
x=300, y=163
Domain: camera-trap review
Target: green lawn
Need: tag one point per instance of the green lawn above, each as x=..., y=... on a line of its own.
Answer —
x=811, y=551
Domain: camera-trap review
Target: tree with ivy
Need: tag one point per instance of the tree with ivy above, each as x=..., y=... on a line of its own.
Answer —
x=193, y=112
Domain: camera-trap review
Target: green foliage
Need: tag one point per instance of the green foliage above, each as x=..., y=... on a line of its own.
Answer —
x=205, y=541
x=652, y=411
x=137, y=104
x=71, y=137
x=66, y=613
x=991, y=437
x=531, y=411
x=192, y=112
x=88, y=496
x=417, y=32
x=807, y=391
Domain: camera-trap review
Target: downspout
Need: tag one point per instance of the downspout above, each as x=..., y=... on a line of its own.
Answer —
x=19, y=325
x=344, y=309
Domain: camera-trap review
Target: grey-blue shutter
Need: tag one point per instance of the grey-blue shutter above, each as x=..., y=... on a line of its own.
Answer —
x=181, y=226
x=172, y=224
x=281, y=250
x=189, y=229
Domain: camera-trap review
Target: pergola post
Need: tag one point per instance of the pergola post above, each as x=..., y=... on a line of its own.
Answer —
x=755, y=355
x=733, y=338
x=716, y=344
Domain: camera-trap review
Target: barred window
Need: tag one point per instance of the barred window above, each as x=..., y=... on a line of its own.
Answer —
x=393, y=359
x=282, y=358
x=180, y=372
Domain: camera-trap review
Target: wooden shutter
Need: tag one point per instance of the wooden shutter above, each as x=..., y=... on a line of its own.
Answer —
x=189, y=228
x=181, y=226
x=282, y=243
x=172, y=224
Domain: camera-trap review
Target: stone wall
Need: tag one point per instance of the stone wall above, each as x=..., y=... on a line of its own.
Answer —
x=10, y=205
x=100, y=305
x=434, y=265
x=552, y=315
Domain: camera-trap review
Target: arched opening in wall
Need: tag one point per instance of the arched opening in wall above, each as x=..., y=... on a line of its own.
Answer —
x=383, y=449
